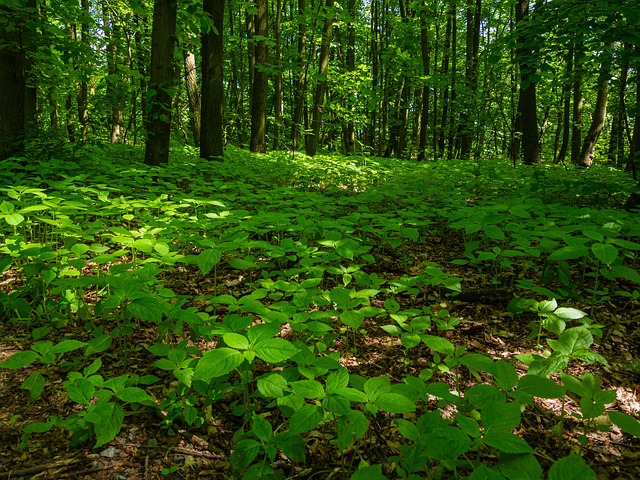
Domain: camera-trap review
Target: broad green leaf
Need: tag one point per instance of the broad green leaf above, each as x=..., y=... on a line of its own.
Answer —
x=134, y=395
x=494, y=232
x=262, y=428
x=478, y=362
x=394, y=403
x=569, y=313
x=626, y=423
x=605, y=252
x=410, y=340
x=369, y=472
x=107, y=421
x=34, y=383
x=352, y=318
x=568, y=253
x=447, y=443
x=148, y=308
x=439, y=344
x=309, y=389
x=236, y=340
x=305, y=419
x=621, y=271
x=499, y=416
x=351, y=427
x=483, y=472
x=207, y=259
x=67, y=346
x=407, y=429
x=80, y=391
x=14, y=219
x=241, y=264
x=291, y=445
x=484, y=394
x=572, y=467
x=218, y=362
x=272, y=385
x=20, y=359
x=541, y=387
x=571, y=340
x=505, y=375
x=274, y=350
x=520, y=466
x=506, y=442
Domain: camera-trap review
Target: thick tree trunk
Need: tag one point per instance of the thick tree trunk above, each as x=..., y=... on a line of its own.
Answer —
x=527, y=111
x=161, y=82
x=260, y=89
x=211, y=135
x=445, y=94
x=576, y=130
x=473, y=16
x=349, y=139
x=566, y=112
x=193, y=94
x=13, y=87
x=600, y=111
x=616, y=137
x=278, y=105
x=321, y=86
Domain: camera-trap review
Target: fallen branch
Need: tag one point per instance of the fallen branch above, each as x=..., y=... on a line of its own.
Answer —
x=28, y=472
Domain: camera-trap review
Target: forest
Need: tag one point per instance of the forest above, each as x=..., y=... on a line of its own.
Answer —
x=319, y=239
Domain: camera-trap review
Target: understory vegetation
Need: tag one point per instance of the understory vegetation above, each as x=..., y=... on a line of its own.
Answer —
x=278, y=316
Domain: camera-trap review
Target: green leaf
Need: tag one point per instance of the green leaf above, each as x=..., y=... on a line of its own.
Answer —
x=620, y=271
x=236, y=340
x=394, y=403
x=306, y=419
x=539, y=386
x=446, y=443
x=571, y=340
x=134, y=395
x=291, y=445
x=568, y=253
x=505, y=375
x=309, y=389
x=34, y=383
x=14, y=219
x=147, y=308
x=67, y=346
x=275, y=350
x=81, y=391
x=520, y=467
x=494, y=232
x=410, y=340
x=626, y=423
x=272, y=385
x=500, y=416
x=216, y=363
x=107, y=421
x=407, y=429
x=352, y=318
x=351, y=427
x=241, y=264
x=572, y=467
x=20, y=359
x=605, y=252
x=569, y=313
x=483, y=472
x=207, y=259
x=262, y=428
x=439, y=344
x=506, y=442
x=369, y=472
x=245, y=453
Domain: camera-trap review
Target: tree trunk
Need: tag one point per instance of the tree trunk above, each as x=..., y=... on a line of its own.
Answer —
x=301, y=80
x=278, y=105
x=260, y=89
x=600, y=112
x=161, y=82
x=566, y=113
x=576, y=131
x=13, y=87
x=193, y=94
x=349, y=138
x=527, y=103
x=616, y=138
x=473, y=16
x=114, y=83
x=321, y=86
x=425, y=52
x=445, y=94
x=211, y=135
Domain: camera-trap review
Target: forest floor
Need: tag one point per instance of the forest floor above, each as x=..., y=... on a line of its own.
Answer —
x=144, y=450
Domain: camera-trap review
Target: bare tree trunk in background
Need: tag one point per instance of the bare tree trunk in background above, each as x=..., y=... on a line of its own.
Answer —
x=566, y=112
x=600, y=111
x=278, y=105
x=301, y=80
x=260, y=90
x=618, y=124
x=576, y=131
x=425, y=52
x=321, y=86
x=193, y=94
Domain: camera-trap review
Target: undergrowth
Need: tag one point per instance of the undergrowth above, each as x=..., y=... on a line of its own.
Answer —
x=93, y=239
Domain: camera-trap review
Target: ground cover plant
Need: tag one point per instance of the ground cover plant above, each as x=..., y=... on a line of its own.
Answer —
x=277, y=316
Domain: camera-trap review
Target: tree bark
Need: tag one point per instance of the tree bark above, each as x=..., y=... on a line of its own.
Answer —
x=600, y=111
x=114, y=82
x=161, y=82
x=301, y=80
x=278, y=105
x=527, y=103
x=13, y=87
x=321, y=86
x=260, y=89
x=576, y=114
x=425, y=53
x=211, y=135
x=193, y=94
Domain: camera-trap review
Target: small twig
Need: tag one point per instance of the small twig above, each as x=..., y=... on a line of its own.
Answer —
x=28, y=472
x=197, y=454
x=89, y=471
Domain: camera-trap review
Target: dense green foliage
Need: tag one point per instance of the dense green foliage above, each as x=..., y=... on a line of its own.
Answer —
x=93, y=240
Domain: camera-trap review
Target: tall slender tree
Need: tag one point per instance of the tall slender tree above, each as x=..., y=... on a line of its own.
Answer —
x=260, y=88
